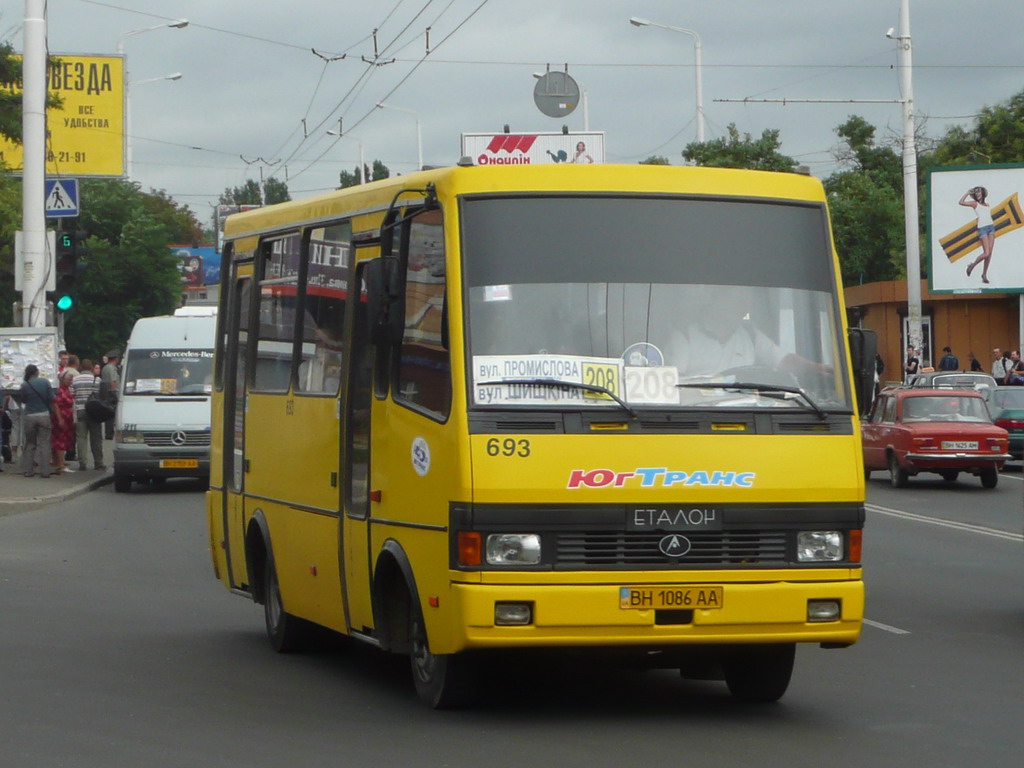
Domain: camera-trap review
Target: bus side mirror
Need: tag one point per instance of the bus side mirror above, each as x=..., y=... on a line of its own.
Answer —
x=385, y=313
x=863, y=345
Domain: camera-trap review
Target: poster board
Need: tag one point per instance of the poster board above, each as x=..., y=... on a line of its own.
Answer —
x=21, y=346
x=956, y=252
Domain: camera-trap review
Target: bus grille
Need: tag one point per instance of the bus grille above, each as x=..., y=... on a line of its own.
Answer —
x=165, y=439
x=611, y=548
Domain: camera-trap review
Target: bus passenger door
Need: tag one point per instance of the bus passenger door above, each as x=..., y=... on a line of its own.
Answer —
x=355, y=470
x=237, y=348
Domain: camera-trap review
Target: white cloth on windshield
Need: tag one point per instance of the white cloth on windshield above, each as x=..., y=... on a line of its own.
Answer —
x=698, y=352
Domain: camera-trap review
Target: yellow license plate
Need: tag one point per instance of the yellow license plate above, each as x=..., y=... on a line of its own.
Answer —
x=647, y=598
x=179, y=463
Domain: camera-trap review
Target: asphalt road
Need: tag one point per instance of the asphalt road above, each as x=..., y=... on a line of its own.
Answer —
x=119, y=649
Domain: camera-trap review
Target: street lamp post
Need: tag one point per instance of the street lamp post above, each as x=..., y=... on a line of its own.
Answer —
x=419, y=135
x=637, y=22
x=362, y=163
x=128, y=114
x=178, y=24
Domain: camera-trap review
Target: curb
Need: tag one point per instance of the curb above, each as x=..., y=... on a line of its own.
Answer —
x=10, y=507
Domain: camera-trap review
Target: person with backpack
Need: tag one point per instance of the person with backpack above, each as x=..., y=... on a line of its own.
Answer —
x=949, y=361
x=88, y=431
x=39, y=404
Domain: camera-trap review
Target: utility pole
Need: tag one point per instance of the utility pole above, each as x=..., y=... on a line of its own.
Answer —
x=915, y=334
x=37, y=261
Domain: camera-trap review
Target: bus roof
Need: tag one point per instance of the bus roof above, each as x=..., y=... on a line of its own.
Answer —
x=453, y=181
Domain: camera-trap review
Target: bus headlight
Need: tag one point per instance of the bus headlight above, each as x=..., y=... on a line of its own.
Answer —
x=513, y=549
x=819, y=546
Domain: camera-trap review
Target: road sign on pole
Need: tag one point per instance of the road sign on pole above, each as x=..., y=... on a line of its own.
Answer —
x=61, y=198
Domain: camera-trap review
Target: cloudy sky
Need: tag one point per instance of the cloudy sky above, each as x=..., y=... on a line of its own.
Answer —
x=262, y=82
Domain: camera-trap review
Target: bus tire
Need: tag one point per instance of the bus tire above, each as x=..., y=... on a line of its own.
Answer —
x=122, y=482
x=898, y=476
x=759, y=674
x=287, y=633
x=989, y=477
x=443, y=681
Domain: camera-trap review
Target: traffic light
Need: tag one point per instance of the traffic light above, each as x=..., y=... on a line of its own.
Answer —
x=66, y=269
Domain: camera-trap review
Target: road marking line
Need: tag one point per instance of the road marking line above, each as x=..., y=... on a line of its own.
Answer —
x=946, y=523
x=886, y=627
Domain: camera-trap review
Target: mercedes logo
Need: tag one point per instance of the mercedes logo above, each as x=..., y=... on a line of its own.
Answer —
x=674, y=545
x=179, y=438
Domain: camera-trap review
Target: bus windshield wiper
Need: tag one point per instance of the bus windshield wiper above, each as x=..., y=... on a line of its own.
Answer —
x=768, y=390
x=573, y=384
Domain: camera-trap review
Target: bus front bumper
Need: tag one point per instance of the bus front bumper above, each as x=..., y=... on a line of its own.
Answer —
x=590, y=615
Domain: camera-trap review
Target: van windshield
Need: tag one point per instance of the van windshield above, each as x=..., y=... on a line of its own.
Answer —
x=168, y=372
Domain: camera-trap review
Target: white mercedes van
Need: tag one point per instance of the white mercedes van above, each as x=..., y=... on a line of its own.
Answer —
x=162, y=426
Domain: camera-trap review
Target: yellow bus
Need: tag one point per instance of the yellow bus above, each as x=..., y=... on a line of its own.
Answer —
x=604, y=408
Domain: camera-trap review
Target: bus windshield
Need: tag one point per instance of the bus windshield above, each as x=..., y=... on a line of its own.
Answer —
x=650, y=297
x=168, y=372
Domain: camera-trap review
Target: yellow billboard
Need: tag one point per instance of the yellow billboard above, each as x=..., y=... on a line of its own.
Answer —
x=85, y=135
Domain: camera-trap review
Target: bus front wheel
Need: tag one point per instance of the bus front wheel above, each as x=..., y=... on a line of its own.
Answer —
x=759, y=674
x=443, y=681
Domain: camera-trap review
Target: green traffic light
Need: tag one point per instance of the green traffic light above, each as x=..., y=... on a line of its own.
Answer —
x=64, y=303
x=65, y=240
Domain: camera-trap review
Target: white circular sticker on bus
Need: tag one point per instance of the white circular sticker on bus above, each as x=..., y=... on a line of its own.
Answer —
x=420, y=456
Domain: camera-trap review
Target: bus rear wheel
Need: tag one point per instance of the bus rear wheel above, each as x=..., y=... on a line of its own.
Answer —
x=287, y=633
x=759, y=674
x=443, y=681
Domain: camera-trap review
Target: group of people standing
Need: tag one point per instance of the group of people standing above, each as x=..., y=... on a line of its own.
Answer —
x=55, y=422
x=1007, y=367
x=948, y=362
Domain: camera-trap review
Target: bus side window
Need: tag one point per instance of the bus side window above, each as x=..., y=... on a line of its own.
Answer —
x=326, y=290
x=277, y=302
x=423, y=375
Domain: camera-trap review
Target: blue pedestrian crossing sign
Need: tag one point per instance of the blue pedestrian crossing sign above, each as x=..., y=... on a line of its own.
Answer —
x=61, y=197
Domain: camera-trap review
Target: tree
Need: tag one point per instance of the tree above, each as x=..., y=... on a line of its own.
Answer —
x=10, y=222
x=274, y=191
x=352, y=179
x=181, y=224
x=866, y=202
x=247, y=194
x=655, y=160
x=10, y=99
x=127, y=271
x=735, y=152
x=995, y=137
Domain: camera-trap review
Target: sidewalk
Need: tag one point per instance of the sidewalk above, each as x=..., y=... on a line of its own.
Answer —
x=21, y=494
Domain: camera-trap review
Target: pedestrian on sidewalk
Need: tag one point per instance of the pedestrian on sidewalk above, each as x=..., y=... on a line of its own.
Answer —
x=37, y=400
x=949, y=361
x=88, y=433
x=110, y=381
x=62, y=430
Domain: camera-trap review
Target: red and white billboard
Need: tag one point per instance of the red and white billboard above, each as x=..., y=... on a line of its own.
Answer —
x=533, y=148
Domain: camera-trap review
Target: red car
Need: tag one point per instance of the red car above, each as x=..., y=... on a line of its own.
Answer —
x=946, y=431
